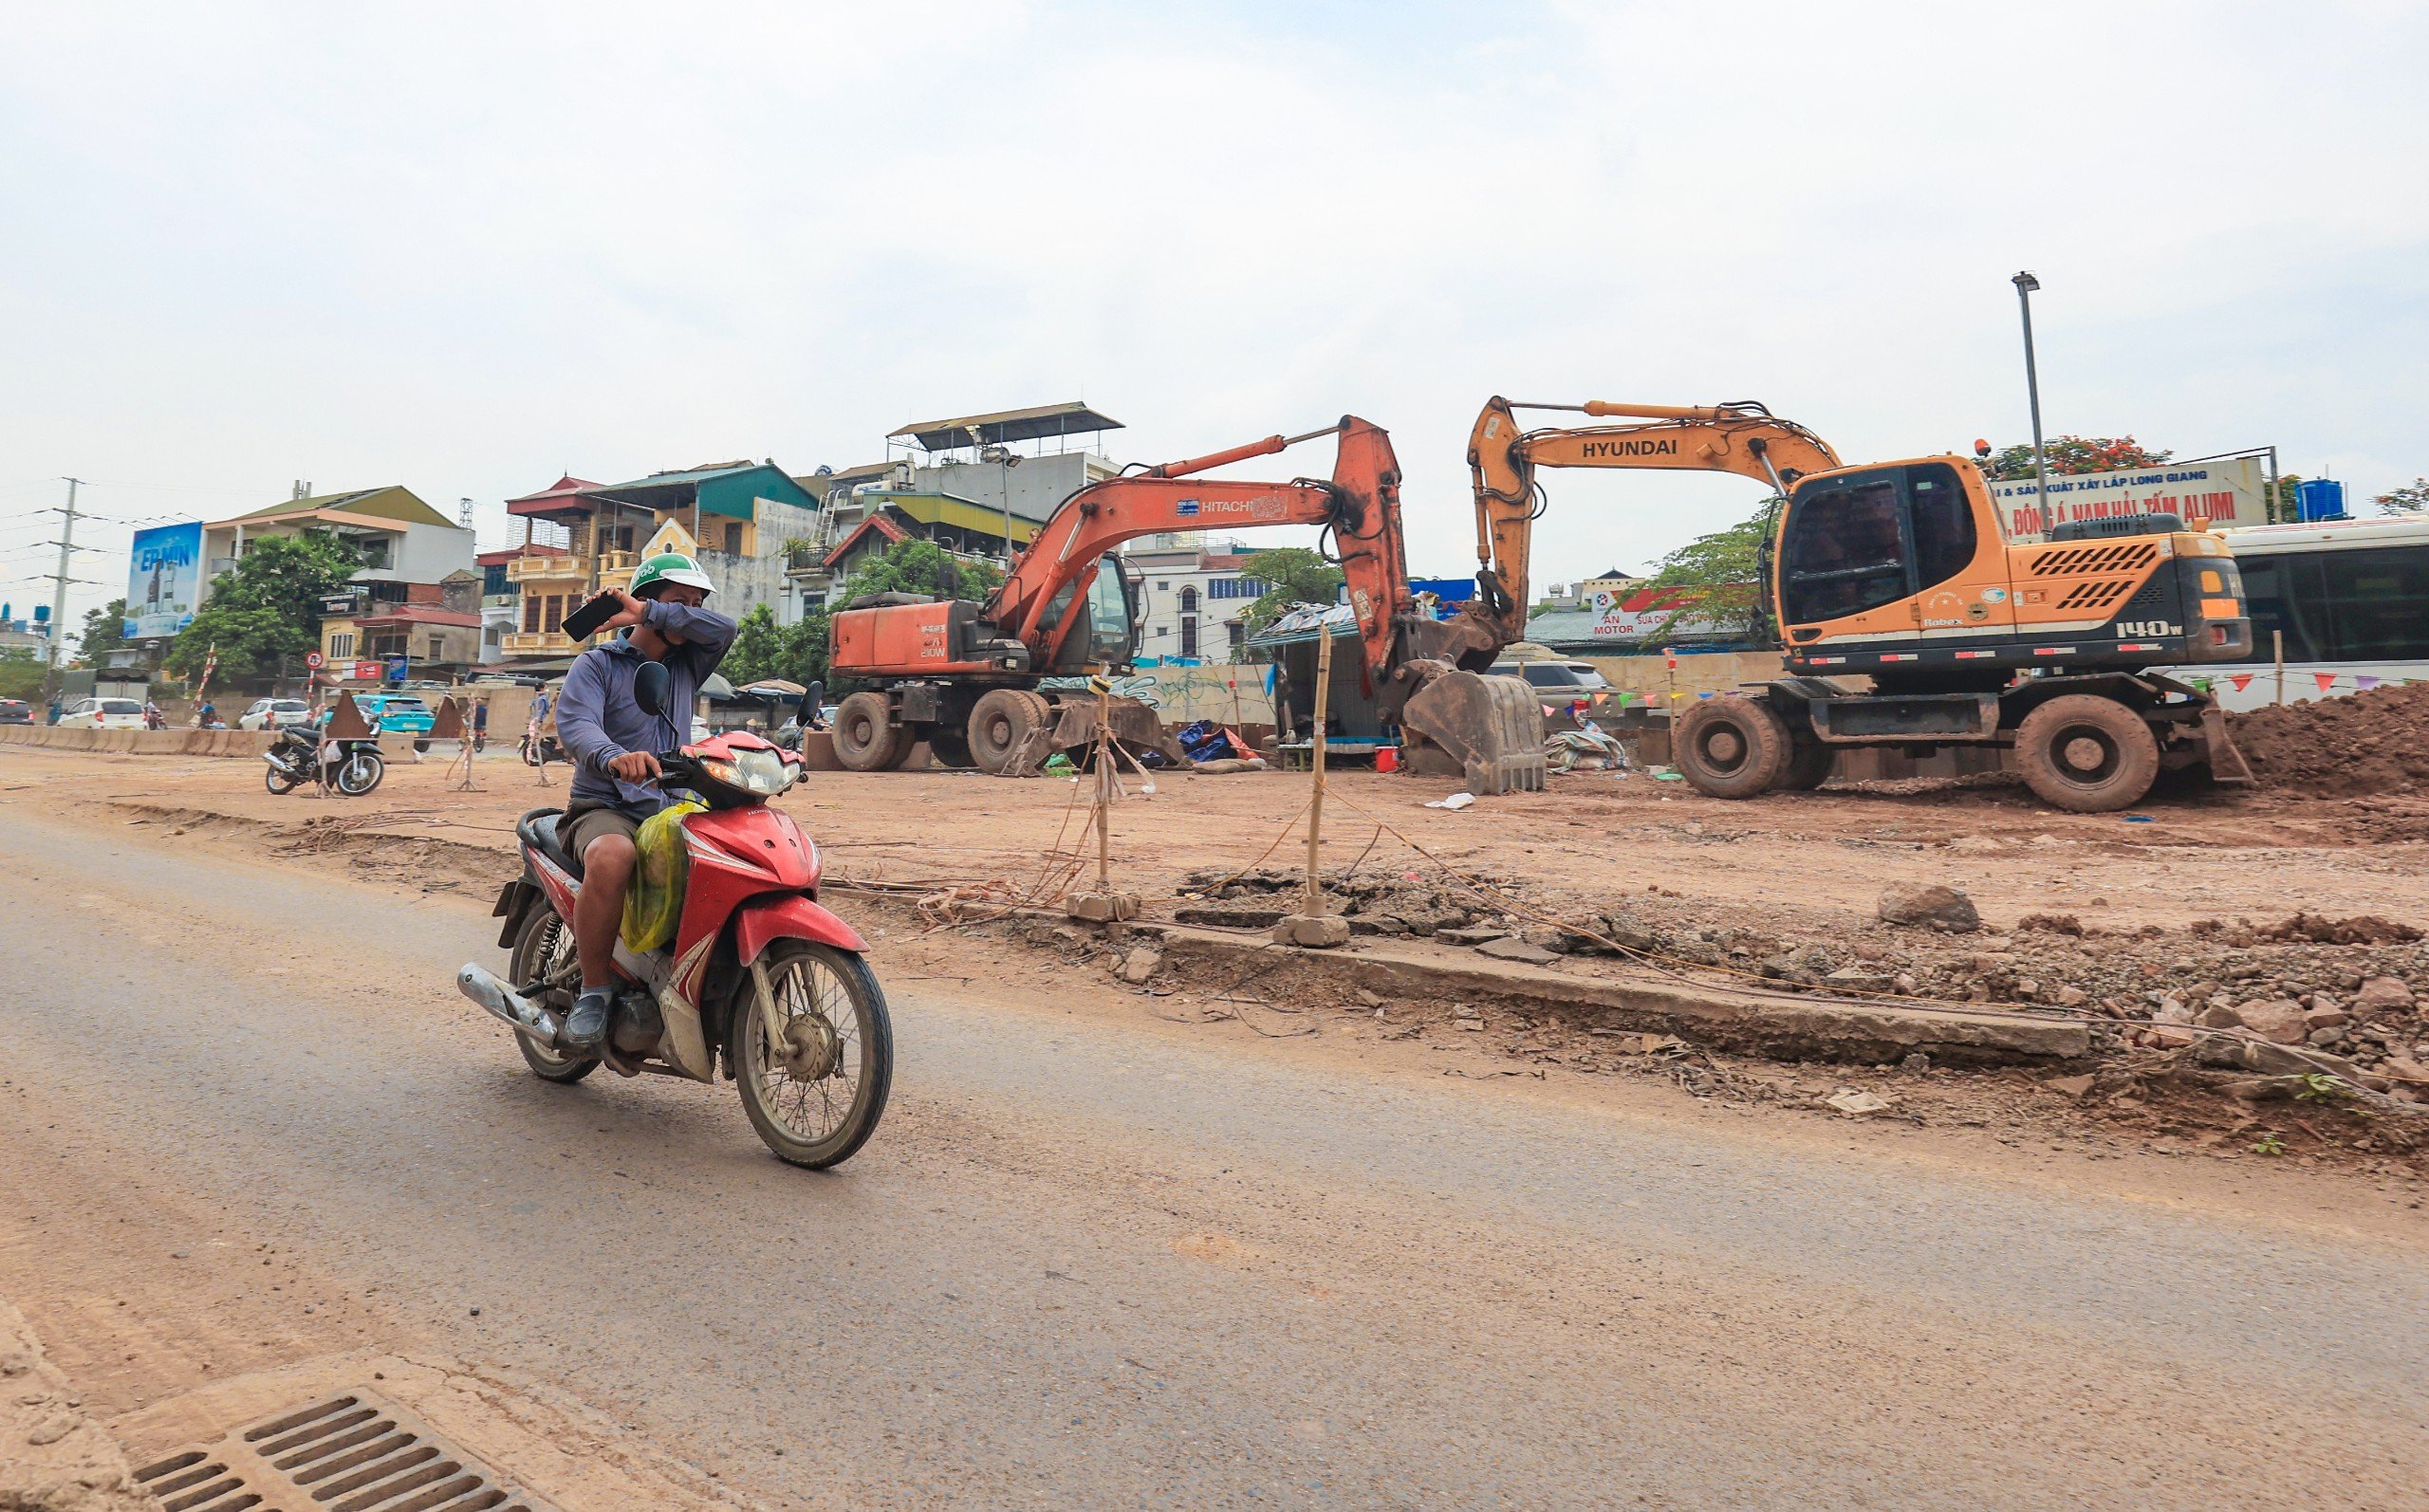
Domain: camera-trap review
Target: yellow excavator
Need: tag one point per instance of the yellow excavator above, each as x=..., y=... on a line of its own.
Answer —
x=1898, y=573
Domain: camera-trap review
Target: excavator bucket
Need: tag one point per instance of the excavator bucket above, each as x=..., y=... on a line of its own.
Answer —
x=1488, y=729
x=1134, y=723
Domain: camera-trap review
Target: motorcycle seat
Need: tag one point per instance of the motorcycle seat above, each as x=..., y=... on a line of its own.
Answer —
x=539, y=828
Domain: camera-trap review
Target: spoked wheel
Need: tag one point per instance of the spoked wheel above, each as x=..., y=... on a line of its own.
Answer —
x=816, y=1093
x=360, y=773
x=544, y=954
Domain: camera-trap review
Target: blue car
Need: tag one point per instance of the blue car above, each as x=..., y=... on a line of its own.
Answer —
x=396, y=713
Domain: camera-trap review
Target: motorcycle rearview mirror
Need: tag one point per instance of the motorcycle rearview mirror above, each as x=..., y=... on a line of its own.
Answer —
x=651, y=684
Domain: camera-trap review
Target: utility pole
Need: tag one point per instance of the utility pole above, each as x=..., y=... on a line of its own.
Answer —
x=59, y=595
x=2026, y=285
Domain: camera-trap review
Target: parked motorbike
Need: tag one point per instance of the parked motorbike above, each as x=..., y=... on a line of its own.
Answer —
x=758, y=974
x=352, y=766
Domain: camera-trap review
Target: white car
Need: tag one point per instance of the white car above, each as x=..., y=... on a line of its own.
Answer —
x=104, y=713
x=275, y=713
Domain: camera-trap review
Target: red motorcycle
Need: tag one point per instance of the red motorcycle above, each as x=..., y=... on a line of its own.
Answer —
x=757, y=974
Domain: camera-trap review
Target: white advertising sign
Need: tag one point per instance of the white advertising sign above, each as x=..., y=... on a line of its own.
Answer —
x=2233, y=492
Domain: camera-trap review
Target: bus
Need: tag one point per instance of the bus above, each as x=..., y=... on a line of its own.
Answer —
x=2349, y=596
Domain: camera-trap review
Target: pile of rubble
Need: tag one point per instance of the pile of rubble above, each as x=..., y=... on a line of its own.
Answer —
x=2372, y=743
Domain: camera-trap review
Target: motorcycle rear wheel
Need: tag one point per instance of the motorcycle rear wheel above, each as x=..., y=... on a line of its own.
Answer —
x=816, y=1099
x=279, y=784
x=544, y=950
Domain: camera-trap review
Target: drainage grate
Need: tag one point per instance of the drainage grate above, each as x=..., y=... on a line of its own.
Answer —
x=351, y=1454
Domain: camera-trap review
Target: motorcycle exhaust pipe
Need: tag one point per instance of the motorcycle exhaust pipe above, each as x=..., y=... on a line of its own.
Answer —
x=519, y=1013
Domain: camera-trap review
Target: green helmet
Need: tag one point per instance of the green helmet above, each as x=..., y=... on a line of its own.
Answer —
x=668, y=566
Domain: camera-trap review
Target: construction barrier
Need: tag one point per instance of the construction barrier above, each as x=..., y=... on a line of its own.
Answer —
x=246, y=745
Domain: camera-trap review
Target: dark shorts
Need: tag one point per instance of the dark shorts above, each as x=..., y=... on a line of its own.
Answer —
x=581, y=826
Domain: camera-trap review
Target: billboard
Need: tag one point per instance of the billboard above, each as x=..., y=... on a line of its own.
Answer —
x=164, y=582
x=2228, y=492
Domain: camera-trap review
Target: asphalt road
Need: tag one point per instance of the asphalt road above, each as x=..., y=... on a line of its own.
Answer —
x=1086, y=1267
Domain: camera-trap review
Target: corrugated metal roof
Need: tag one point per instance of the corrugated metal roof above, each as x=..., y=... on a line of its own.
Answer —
x=394, y=502
x=1001, y=426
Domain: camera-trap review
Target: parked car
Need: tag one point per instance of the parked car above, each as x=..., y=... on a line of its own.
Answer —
x=398, y=714
x=275, y=713
x=17, y=711
x=1569, y=679
x=104, y=713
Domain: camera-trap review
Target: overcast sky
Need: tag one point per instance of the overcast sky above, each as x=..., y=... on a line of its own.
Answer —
x=465, y=248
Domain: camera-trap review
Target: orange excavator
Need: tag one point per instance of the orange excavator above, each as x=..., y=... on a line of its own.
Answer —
x=1898, y=573
x=968, y=678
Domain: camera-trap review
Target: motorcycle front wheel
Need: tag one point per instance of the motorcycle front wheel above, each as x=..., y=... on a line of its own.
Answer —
x=360, y=773
x=816, y=1097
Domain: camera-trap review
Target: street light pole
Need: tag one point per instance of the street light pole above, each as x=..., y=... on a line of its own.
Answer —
x=2026, y=285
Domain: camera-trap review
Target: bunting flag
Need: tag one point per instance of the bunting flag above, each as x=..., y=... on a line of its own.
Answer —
x=2326, y=680
x=2241, y=679
x=2362, y=679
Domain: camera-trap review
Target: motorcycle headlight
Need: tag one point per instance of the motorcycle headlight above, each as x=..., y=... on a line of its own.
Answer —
x=762, y=772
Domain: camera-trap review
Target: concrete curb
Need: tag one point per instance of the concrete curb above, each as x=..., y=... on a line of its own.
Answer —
x=1782, y=1027
x=53, y=1458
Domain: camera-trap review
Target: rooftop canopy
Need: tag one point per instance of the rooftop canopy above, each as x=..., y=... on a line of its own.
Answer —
x=1006, y=426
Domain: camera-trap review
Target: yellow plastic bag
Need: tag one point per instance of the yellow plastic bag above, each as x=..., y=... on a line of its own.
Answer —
x=654, y=904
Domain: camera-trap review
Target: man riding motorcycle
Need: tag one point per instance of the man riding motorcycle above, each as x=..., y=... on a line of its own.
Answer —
x=612, y=743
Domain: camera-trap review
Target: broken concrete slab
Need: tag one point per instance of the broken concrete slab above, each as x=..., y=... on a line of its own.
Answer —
x=1316, y=931
x=1471, y=935
x=1508, y=949
x=1101, y=908
x=1702, y=1013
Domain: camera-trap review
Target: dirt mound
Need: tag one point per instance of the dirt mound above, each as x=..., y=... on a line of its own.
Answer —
x=2363, y=929
x=2374, y=742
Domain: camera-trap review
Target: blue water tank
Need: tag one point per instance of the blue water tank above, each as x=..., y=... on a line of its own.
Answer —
x=42, y=614
x=2320, y=499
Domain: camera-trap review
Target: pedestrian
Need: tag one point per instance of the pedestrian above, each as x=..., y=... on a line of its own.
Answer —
x=480, y=725
x=535, y=742
x=54, y=708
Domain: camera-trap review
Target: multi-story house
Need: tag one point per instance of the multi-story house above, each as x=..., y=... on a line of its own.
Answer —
x=415, y=595
x=739, y=518
x=1195, y=601
x=968, y=489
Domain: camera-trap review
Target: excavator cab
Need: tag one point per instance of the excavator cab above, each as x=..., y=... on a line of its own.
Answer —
x=1108, y=636
x=1868, y=540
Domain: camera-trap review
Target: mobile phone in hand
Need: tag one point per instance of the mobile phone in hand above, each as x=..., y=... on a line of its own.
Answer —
x=585, y=622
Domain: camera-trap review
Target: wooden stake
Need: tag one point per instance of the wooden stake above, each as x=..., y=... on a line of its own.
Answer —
x=1315, y=906
x=2277, y=639
x=1104, y=786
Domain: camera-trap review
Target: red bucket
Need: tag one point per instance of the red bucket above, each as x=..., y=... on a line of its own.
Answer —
x=1387, y=759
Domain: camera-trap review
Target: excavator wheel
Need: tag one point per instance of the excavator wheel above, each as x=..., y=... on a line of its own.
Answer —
x=1000, y=725
x=1809, y=767
x=865, y=739
x=1731, y=747
x=2087, y=754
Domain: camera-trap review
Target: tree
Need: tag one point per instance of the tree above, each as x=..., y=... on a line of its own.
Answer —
x=22, y=675
x=268, y=610
x=1291, y=575
x=920, y=567
x=105, y=632
x=805, y=658
x=2412, y=498
x=758, y=648
x=2073, y=454
x=1717, y=577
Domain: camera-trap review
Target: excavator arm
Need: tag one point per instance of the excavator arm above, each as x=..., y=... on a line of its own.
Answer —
x=1743, y=438
x=1360, y=505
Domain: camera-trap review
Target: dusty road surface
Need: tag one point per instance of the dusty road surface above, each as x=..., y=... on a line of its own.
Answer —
x=244, y=1123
